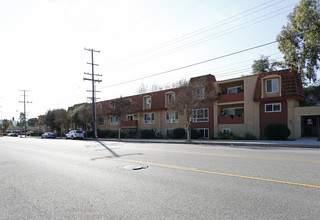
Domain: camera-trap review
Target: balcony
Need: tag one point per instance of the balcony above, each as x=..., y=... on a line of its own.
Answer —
x=230, y=119
x=133, y=123
x=234, y=97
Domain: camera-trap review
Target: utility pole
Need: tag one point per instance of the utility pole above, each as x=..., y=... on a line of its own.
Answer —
x=94, y=112
x=24, y=108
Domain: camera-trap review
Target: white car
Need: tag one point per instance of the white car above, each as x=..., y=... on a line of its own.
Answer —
x=75, y=134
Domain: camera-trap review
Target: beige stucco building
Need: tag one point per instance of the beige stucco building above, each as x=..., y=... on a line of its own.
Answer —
x=244, y=105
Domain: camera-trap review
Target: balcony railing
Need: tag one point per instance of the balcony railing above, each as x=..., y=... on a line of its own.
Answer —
x=231, y=119
x=235, y=97
x=133, y=123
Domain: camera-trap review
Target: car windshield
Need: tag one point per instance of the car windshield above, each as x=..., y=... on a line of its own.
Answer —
x=79, y=131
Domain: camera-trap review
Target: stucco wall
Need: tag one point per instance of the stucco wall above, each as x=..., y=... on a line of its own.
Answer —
x=292, y=104
x=251, y=109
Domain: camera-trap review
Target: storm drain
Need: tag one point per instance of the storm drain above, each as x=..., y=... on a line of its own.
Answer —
x=135, y=167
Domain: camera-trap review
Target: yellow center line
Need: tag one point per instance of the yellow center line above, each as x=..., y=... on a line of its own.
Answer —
x=246, y=156
x=216, y=173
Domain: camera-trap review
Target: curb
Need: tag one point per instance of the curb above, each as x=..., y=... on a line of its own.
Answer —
x=232, y=144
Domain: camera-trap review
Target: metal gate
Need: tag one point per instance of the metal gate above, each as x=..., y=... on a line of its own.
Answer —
x=310, y=126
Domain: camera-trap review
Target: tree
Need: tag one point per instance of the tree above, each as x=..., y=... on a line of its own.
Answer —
x=60, y=118
x=49, y=119
x=56, y=119
x=121, y=107
x=32, y=122
x=312, y=94
x=190, y=96
x=5, y=124
x=85, y=117
x=299, y=40
x=81, y=115
x=264, y=65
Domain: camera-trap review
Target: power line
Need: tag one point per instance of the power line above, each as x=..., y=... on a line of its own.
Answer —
x=204, y=29
x=213, y=36
x=190, y=65
x=218, y=34
x=134, y=80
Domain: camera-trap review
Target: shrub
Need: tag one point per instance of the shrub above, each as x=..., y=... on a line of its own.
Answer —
x=33, y=134
x=130, y=133
x=236, y=137
x=159, y=136
x=179, y=133
x=148, y=134
x=249, y=136
x=112, y=134
x=195, y=134
x=276, y=131
x=102, y=133
x=225, y=136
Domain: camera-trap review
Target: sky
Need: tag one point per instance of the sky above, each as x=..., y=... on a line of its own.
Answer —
x=43, y=46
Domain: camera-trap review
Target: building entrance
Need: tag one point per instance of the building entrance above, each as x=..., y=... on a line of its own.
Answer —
x=310, y=126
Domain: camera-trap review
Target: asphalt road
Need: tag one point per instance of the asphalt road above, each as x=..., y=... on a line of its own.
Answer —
x=67, y=179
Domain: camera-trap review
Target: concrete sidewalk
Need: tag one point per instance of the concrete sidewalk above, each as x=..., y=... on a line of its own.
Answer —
x=299, y=143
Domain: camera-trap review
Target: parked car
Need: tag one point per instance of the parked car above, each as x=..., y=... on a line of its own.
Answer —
x=48, y=135
x=75, y=134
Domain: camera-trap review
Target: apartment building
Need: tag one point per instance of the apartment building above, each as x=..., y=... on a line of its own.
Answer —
x=152, y=111
x=242, y=105
x=248, y=104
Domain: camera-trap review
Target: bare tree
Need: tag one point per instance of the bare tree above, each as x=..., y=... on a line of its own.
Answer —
x=143, y=88
x=121, y=107
x=197, y=93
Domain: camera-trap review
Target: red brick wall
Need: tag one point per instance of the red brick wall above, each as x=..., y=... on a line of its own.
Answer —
x=226, y=119
x=208, y=124
x=272, y=117
x=231, y=97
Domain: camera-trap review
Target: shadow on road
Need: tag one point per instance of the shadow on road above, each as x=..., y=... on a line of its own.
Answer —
x=114, y=154
x=111, y=151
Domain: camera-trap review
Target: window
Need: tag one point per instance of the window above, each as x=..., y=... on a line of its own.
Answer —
x=200, y=93
x=170, y=98
x=169, y=132
x=99, y=107
x=112, y=104
x=130, y=117
x=114, y=120
x=274, y=107
x=149, y=118
x=200, y=115
x=172, y=117
x=226, y=131
x=147, y=102
x=233, y=90
x=204, y=132
x=101, y=121
x=272, y=85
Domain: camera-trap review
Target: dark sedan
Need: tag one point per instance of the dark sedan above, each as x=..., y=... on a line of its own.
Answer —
x=48, y=135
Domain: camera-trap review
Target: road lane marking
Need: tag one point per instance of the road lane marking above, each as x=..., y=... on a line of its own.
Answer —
x=246, y=156
x=216, y=173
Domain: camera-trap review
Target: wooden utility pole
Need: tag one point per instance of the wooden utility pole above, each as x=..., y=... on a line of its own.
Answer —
x=94, y=112
x=24, y=109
